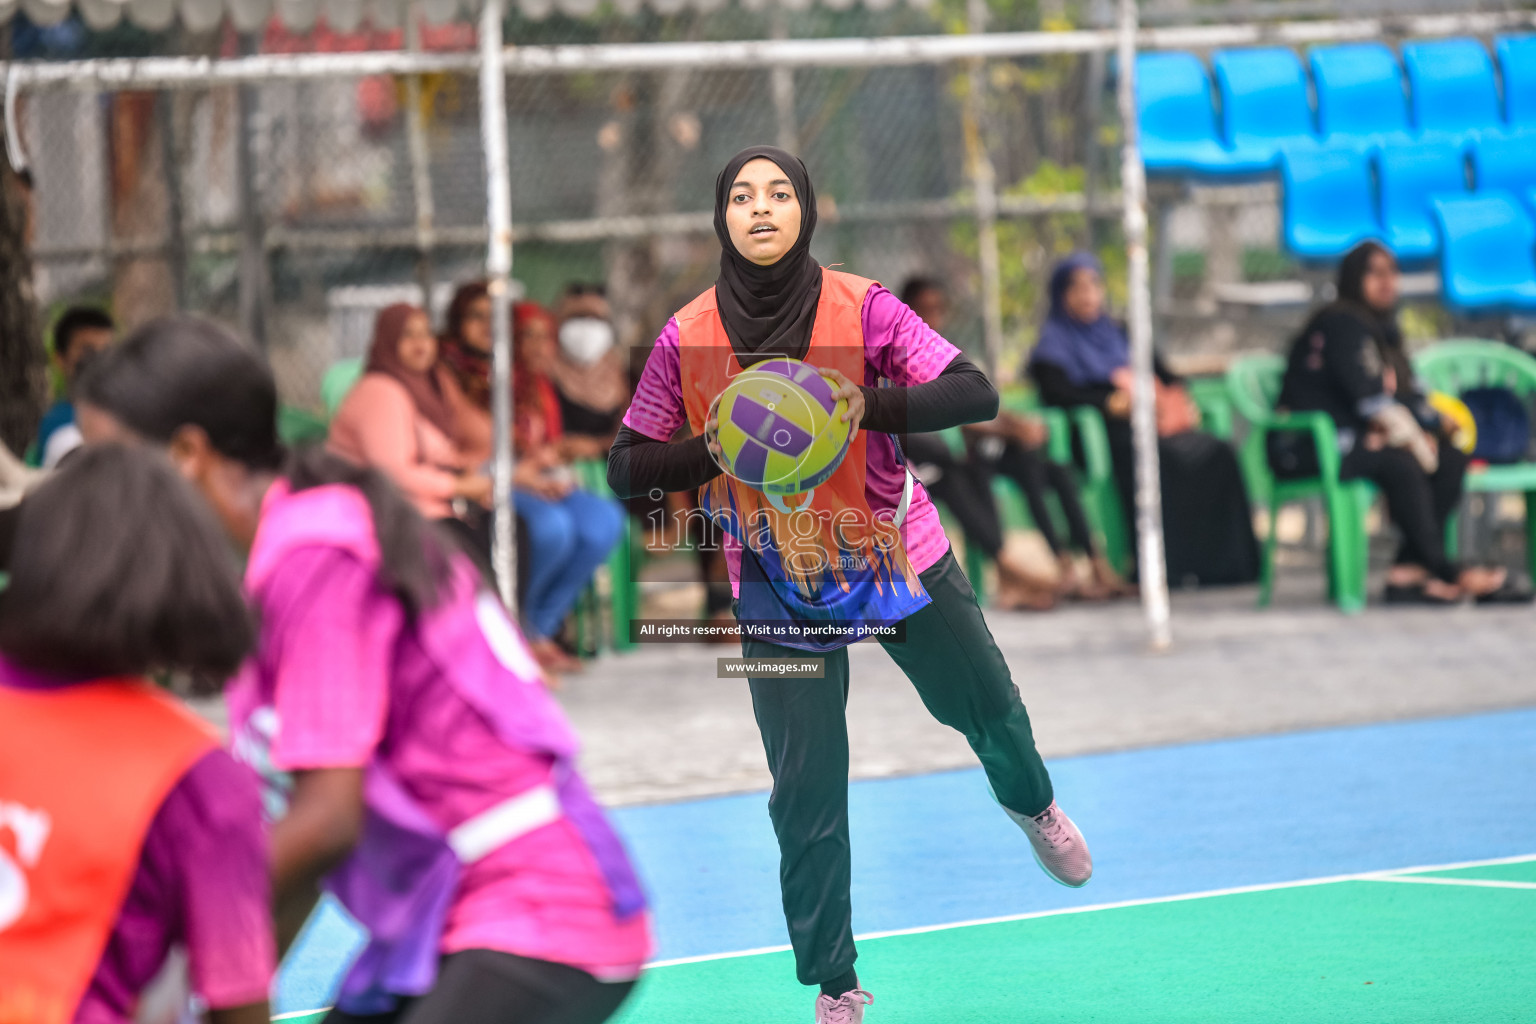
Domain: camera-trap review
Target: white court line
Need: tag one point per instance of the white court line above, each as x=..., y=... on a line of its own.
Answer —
x=1150, y=901
x=1483, y=883
x=301, y=1013
x=1391, y=875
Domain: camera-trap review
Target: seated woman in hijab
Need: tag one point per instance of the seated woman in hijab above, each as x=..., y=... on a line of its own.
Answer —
x=1350, y=362
x=401, y=418
x=1083, y=358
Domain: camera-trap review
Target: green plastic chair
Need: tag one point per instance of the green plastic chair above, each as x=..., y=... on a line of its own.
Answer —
x=1095, y=477
x=338, y=380
x=1253, y=383
x=623, y=588
x=1458, y=365
x=1101, y=498
x=1014, y=510
x=1214, y=401
x=975, y=559
x=299, y=426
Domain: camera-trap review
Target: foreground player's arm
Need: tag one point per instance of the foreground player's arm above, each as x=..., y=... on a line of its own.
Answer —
x=936, y=385
x=331, y=627
x=639, y=462
x=324, y=820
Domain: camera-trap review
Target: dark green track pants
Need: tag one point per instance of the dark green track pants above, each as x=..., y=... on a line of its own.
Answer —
x=951, y=658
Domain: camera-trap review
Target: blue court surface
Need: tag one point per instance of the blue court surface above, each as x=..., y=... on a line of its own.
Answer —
x=934, y=850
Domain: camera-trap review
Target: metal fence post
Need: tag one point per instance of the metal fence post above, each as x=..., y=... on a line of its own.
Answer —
x=421, y=163
x=253, y=246
x=498, y=270
x=1149, y=492
x=984, y=182
x=782, y=79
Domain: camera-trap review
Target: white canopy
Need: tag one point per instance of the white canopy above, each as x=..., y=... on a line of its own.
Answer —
x=347, y=15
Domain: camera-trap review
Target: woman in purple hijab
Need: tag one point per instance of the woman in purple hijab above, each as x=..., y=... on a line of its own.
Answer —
x=1083, y=358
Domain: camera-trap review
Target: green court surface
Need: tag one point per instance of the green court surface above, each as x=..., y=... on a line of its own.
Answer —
x=1389, y=948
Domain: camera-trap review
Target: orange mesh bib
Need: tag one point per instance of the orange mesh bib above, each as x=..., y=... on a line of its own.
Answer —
x=826, y=559
x=83, y=771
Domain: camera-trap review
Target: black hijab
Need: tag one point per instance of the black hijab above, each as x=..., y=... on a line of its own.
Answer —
x=1351, y=293
x=768, y=309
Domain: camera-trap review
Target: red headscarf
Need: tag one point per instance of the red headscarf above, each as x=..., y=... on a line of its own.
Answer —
x=538, y=406
x=426, y=389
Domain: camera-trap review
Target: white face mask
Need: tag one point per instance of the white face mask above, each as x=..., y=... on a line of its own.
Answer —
x=586, y=339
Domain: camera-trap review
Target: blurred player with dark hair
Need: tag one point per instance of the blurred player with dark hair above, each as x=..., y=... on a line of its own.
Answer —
x=132, y=830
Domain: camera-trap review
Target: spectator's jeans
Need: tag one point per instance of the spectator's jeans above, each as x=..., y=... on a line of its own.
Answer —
x=567, y=540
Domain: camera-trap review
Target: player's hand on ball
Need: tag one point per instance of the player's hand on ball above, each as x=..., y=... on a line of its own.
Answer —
x=712, y=437
x=851, y=392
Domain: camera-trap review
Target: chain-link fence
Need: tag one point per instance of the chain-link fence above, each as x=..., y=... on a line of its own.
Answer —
x=292, y=209
x=345, y=187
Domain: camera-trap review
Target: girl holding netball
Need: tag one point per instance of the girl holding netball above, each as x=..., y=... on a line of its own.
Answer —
x=417, y=766
x=771, y=299
x=125, y=828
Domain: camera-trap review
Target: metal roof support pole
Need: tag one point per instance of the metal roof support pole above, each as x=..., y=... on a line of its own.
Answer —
x=253, y=250
x=175, y=227
x=1149, y=492
x=498, y=272
x=1093, y=106
x=984, y=184
x=782, y=80
x=421, y=163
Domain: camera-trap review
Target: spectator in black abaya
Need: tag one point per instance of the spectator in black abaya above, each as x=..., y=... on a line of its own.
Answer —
x=1083, y=358
x=1350, y=362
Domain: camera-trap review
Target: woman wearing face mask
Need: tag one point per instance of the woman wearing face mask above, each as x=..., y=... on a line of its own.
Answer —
x=589, y=373
x=771, y=299
x=570, y=531
x=1350, y=362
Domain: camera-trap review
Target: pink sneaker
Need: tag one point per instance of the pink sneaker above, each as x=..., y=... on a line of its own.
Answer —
x=1059, y=847
x=847, y=1008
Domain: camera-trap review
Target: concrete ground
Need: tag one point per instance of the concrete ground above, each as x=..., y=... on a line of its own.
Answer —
x=658, y=725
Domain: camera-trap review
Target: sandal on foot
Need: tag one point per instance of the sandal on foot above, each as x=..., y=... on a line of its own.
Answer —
x=1413, y=593
x=1507, y=594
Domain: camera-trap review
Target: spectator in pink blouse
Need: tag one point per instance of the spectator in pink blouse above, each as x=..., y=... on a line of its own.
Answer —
x=401, y=418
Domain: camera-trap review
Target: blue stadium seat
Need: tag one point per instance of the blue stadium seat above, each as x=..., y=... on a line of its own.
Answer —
x=1409, y=176
x=1504, y=162
x=1360, y=96
x=1178, y=121
x=1487, y=253
x=1264, y=104
x=1451, y=87
x=1328, y=205
x=1517, y=61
